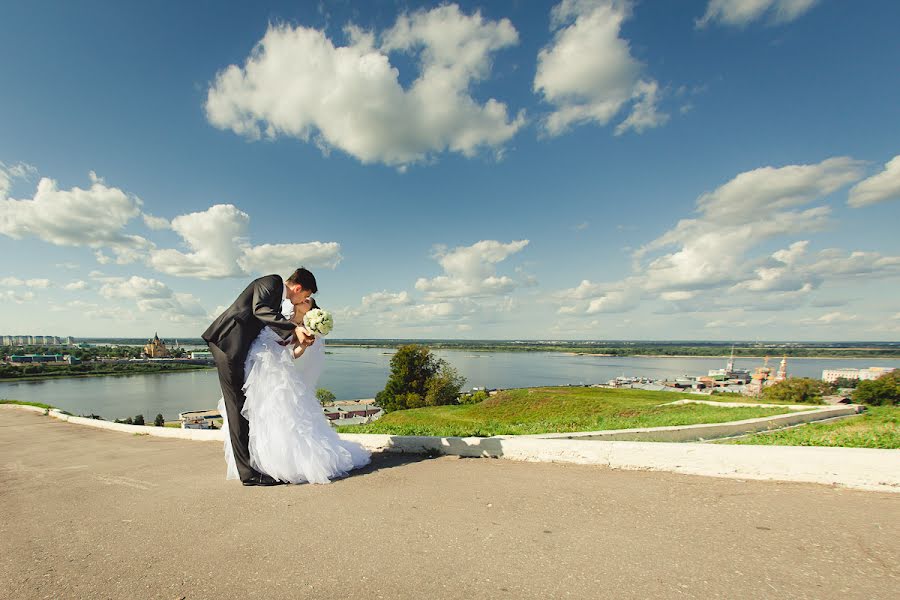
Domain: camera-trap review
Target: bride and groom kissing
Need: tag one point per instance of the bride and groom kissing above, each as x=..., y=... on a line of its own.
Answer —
x=269, y=363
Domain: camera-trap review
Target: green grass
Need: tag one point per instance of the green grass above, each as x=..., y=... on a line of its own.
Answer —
x=878, y=427
x=23, y=403
x=555, y=410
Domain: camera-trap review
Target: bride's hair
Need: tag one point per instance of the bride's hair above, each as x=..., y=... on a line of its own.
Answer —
x=297, y=318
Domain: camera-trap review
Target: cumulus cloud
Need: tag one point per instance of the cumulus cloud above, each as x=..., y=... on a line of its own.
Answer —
x=93, y=217
x=10, y=173
x=284, y=258
x=734, y=218
x=743, y=12
x=714, y=249
x=17, y=296
x=470, y=271
x=879, y=188
x=218, y=245
x=76, y=285
x=149, y=294
x=31, y=283
x=155, y=223
x=832, y=318
x=385, y=300
x=588, y=74
x=298, y=83
x=469, y=288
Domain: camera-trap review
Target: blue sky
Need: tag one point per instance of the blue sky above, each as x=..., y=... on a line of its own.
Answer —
x=583, y=169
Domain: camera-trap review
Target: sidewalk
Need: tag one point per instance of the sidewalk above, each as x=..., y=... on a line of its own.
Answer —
x=88, y=513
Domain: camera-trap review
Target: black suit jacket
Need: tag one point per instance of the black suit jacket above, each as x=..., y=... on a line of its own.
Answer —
x=258, y=306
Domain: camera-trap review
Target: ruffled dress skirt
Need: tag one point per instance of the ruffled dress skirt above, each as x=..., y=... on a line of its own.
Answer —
x=290, y=438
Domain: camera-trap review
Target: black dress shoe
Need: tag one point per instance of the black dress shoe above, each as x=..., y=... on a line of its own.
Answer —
x=261, y=479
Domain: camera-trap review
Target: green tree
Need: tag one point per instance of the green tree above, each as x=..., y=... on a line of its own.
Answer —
x=418, y=378
x=879, y=392
x=444, y=386
x=325, y=396
x=797, y=390
x=128, y=421
x=159, y=421
x=139, y=420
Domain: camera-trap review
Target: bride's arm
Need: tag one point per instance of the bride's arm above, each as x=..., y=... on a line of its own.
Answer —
x=301, y=346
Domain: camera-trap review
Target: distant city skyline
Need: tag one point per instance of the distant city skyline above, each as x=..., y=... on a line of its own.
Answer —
x=581, y=169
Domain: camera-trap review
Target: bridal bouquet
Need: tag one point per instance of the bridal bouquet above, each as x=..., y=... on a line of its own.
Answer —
x=318, y=321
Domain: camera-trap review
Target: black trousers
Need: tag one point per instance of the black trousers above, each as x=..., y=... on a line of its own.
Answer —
x=231, y=378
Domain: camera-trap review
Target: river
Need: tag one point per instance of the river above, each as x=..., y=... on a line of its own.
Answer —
x=361, y=372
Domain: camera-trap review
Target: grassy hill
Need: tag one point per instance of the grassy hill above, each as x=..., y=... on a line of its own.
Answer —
x=555, y=410
x=878, y=427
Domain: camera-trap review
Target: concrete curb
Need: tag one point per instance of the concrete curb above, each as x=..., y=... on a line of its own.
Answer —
x=857, y=468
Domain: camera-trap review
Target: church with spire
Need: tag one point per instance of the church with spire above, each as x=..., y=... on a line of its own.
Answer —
x=156, y=348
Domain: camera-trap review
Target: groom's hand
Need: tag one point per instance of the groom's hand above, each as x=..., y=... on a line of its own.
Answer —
x=289, y=342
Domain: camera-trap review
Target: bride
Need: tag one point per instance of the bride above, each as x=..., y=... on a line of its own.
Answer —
x=290, y=438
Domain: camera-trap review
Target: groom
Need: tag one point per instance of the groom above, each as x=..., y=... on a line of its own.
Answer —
x=229, y=338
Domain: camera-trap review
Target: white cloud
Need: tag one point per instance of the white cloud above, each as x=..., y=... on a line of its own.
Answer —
x=470, y=271
x=219, y=247
x=149, y=294
x=771, y=188
x=588, y=74
x=743, y=12
x=135, y=288
x=284, y=258
x=76, y=285
x=215, y=238
x=93, y=217
x=832, y=318
x=645, y=114
x=739, y=215
x=878, y=188
x=298, y=83
x=706, y=263
x=384, y=300
x=155, y=223
x=10, y=173
x=31, y=283
x=16, y=296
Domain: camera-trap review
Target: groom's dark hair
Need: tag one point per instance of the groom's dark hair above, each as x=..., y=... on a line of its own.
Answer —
x=305, y=278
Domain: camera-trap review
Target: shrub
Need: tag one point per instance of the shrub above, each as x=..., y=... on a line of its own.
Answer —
x=474, y=398
x=799, y=390
x=883, y=391
x=159, y=421
x=139, y=420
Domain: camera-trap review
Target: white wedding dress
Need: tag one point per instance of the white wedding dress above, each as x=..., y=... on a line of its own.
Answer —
x=290, y=438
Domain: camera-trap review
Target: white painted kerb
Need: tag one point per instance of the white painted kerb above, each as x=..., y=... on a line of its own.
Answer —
x=859, y=468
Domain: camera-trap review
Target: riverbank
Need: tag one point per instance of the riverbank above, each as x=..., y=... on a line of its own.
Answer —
x=157, y=370
x=885, y=351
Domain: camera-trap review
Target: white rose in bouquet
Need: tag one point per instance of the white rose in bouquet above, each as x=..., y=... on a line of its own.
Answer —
x=318, y=321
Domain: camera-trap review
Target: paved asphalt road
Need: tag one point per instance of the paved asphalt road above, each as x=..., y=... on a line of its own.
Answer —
x=96, y=514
